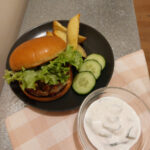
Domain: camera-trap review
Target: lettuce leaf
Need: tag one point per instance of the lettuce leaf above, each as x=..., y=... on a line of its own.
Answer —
x=53, y=73
x=70, y=56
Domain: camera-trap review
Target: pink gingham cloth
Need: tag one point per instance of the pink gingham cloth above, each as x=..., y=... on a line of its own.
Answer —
x=31, y=129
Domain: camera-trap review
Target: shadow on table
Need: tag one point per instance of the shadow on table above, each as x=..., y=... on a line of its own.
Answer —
x=53, y=113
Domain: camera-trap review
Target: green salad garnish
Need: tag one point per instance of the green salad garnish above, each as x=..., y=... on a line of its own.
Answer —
x=53, y=73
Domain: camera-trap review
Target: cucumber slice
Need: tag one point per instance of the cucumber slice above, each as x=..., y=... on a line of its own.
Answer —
x=99, y=58
x=84, y=82
x=93, y=66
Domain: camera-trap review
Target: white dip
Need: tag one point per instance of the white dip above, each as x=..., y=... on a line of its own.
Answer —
x=111, y=124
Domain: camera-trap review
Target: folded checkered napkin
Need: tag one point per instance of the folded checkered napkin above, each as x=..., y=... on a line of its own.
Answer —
x=31, y=129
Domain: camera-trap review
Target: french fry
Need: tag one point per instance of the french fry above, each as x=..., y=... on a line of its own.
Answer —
x=73, y=31
x=58, y=26
x=48, y=33
x=63, y=36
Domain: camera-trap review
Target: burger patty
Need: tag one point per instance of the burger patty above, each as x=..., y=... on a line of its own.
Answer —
x=43, y=90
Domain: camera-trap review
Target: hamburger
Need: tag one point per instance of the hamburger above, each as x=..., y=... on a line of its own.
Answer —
x=43, y=67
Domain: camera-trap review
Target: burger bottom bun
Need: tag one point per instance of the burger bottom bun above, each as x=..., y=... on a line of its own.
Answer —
x=51, y=98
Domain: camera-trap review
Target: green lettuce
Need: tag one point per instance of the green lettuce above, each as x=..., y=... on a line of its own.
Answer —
x=56, y=71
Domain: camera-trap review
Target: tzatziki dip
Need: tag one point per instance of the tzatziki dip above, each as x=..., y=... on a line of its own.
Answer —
x=111, y=124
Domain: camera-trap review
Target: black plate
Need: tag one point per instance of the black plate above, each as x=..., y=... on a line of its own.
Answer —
x=95, y=43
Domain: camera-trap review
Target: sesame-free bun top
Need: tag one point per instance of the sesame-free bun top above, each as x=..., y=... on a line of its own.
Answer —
x=35, y=52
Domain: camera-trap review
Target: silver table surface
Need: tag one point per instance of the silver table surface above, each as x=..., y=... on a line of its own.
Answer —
x=115, y=19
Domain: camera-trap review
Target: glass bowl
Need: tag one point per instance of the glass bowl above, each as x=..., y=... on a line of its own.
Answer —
x=130, y=98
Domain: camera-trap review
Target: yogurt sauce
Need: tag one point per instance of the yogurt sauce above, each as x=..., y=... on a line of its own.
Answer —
x=111, y=124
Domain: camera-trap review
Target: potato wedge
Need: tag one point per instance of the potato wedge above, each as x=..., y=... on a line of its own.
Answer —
x=48, y=33
x=81, y=50
x=73, y=31
x=58, y=26
x=60, y=34
x=81, y=39
x=63, y=36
